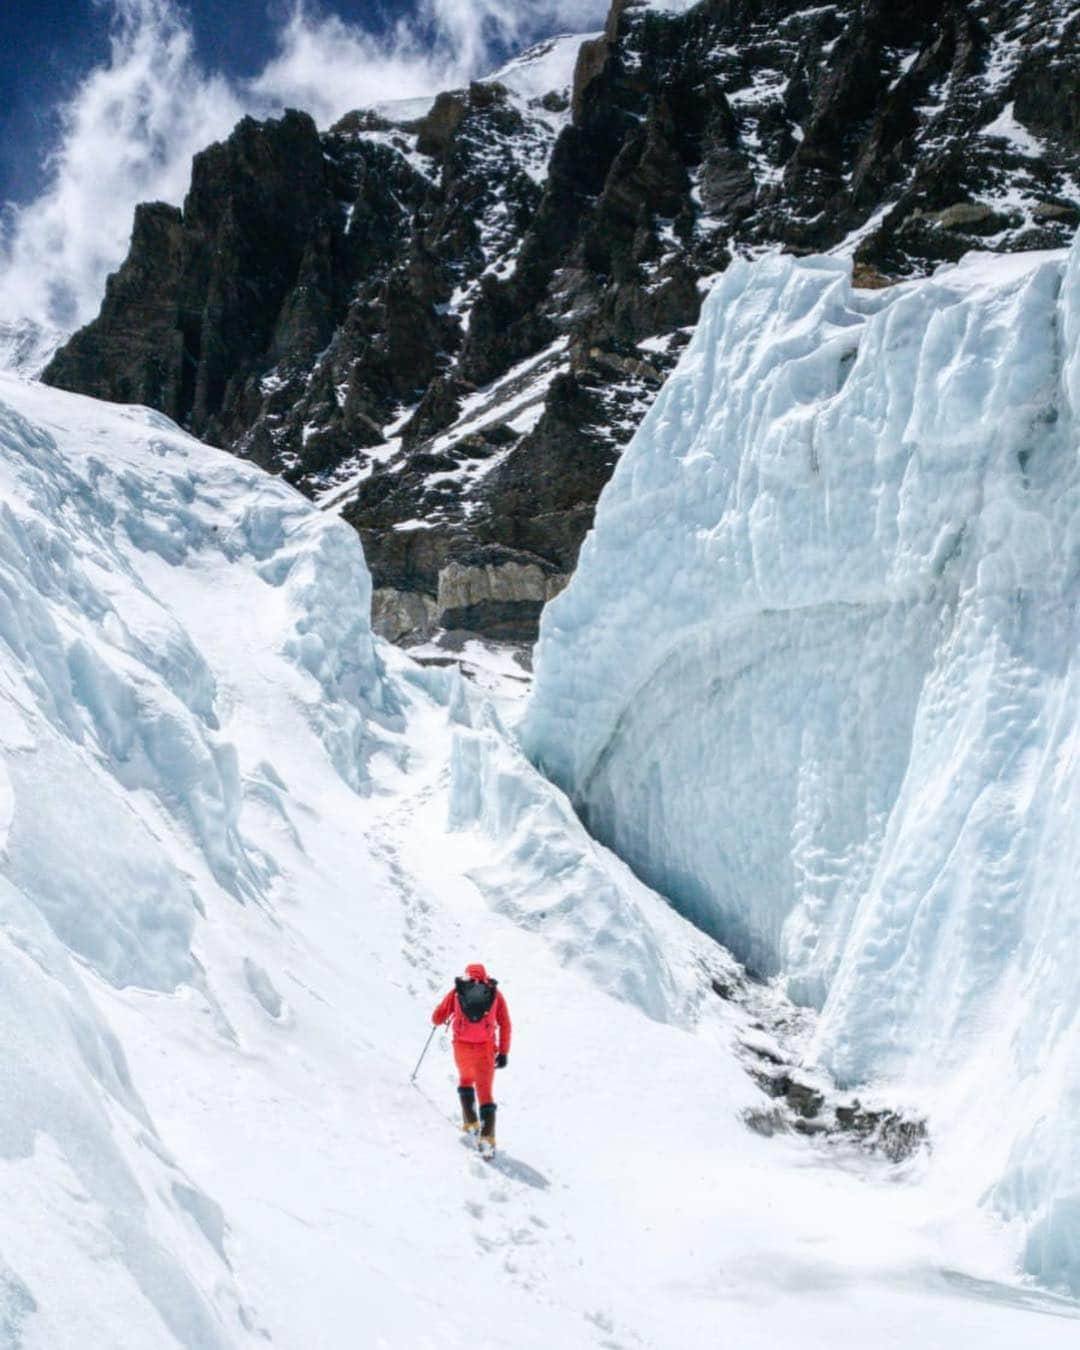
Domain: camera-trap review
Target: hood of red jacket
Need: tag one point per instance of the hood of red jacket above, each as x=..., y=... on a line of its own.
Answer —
x=476, y=972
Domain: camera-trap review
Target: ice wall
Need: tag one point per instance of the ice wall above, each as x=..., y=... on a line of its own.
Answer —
x=104, y=693
x=816, y=678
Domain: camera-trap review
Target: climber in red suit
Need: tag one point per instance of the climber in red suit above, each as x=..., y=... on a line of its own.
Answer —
x=480, y=1024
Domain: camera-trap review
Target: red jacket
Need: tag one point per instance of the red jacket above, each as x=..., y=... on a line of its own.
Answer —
x=494, y=1026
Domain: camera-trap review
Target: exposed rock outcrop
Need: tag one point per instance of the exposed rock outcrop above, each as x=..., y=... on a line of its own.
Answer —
x=496, y=592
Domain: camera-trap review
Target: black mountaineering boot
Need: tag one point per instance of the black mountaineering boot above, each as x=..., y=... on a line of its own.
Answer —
x=469, y=1122
x=487, y=1129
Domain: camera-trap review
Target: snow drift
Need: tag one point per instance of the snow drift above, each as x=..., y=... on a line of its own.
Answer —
x=816, y=679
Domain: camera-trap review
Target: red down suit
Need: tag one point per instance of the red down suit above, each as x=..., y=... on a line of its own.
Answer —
x=476, y=1043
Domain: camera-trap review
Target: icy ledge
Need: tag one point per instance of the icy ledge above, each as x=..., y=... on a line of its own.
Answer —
x=816, y=679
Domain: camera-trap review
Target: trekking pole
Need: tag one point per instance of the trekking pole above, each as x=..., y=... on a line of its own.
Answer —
x=423, y=1052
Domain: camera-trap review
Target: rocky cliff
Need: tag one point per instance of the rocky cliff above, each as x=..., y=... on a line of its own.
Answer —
x=447, y=320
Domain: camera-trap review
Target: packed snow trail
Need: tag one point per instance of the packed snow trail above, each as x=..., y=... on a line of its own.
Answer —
x=816, y=678
x=244, y=850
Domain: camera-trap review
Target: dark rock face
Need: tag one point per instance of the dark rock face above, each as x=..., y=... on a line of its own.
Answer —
x=448, y=328
x=801, y=1099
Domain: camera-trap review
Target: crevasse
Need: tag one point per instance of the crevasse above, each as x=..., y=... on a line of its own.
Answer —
x=816, y=678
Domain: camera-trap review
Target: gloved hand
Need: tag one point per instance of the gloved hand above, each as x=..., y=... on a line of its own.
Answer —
x=500, y=1061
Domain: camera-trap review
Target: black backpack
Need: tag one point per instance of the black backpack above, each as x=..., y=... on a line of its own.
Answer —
x=475, y=997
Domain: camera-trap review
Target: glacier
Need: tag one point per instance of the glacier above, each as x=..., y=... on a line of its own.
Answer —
x=816, y=680
x=244, y=846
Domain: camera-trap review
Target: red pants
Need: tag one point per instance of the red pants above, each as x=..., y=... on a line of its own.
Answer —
x=476, y=1067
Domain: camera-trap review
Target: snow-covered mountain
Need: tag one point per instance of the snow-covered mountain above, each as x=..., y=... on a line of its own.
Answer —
x=243, y=847
x=447, y=320
x=816, y=679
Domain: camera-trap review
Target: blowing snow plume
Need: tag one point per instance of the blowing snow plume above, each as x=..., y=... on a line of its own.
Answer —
x=816, y=679
x=130, y=130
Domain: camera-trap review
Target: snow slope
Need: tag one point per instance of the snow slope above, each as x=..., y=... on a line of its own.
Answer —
x=26, y=348
x=242, y=850
x=545, y=68
x=816, y=679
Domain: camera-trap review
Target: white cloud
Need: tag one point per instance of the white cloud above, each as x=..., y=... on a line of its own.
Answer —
x=133, y=125
x=128, y=135
x=329, y=67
